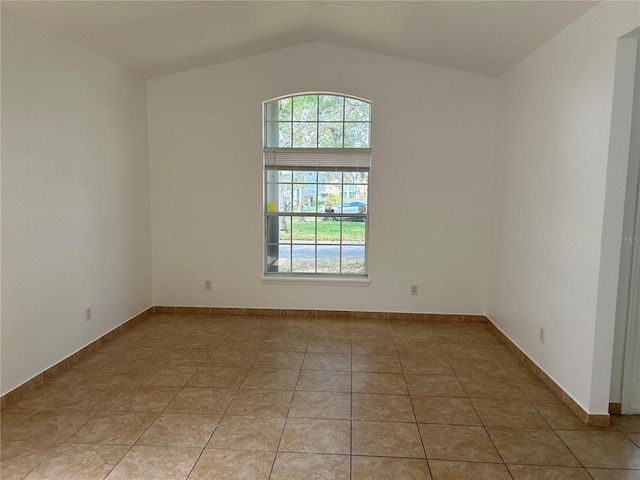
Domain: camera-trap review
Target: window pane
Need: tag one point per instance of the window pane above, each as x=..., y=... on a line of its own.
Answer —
x=305, y=135
x=328, y=259
x=271, y=176
x=305, y=108
x=304, y=258
x=348, y=192
x=271, y=111
x=278, y=197
x=303, y=197
x=284, y=110
x=278, y=231
x=284, y=175
x=356, y=135
x=331, y=108
x=330, y=177
x=353, y=230
x=353, y=259
x=278, y=134
x=271, y=134
x=331, y=197
x=272, y=232
x=355, y=195
x=355, y=207
x=356, y=110
x=330, y=135
x=356, y=177
x=284, y=134
x=278, y=228
x=305, y=176
x=284, y=227
x=323, y=206
x=303, y=229
x=313, y=204
x=329, y=230
x=280, y=261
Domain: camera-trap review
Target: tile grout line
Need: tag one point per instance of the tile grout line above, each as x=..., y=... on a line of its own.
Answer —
x=424, y=449
x=351, y=417
x=210, y=436
x=484, y=427
x=286, y=419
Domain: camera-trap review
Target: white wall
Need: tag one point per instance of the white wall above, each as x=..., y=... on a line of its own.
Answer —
x=433, y=146
x=75, y=198
x=553, y=135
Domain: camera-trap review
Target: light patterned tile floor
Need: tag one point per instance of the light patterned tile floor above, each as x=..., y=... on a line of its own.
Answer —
x=221, y=397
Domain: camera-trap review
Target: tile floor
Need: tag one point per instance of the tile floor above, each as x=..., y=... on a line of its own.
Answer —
x=205, y=397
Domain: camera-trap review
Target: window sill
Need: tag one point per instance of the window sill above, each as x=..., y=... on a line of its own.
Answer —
x=325, y=281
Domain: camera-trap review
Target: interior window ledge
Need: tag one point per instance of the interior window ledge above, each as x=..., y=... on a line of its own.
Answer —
x=328, y=281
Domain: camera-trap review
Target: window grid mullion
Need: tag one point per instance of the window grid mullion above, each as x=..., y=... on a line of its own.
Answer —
x=316, y=245
x=341, y=220
x=291, y=216
x=291, y=244
x=317, y=121
x=344, y=113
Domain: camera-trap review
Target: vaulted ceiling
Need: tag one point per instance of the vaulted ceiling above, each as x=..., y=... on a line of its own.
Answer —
x=153, y=38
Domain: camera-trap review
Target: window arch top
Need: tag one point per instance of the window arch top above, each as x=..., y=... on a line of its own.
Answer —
x=317, y=121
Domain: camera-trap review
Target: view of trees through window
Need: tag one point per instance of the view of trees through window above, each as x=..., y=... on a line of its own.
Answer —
x=316, y=184
x=318, y=121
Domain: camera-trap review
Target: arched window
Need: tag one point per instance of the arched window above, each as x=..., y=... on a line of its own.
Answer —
x=317, y=159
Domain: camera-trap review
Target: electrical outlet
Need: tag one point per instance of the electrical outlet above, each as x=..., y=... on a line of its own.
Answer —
x=207, y=284
x=414, y=289
x=87, y=314
x=541, y=335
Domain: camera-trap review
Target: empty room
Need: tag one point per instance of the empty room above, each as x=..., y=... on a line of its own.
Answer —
x=320, y=240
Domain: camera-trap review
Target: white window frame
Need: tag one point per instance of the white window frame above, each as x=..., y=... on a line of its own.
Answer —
x=290, y=158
